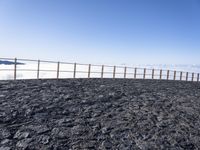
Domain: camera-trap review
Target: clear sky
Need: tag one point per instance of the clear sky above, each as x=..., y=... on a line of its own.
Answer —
x=102, y=31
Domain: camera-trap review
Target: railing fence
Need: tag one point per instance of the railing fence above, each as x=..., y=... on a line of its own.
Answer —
x=113, y=71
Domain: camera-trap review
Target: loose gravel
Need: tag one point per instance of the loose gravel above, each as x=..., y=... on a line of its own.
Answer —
x=120, y=114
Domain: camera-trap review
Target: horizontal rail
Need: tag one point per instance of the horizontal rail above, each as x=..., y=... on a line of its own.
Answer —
x=114, y=71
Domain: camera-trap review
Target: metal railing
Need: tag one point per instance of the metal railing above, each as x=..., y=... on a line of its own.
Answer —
x=102, y=71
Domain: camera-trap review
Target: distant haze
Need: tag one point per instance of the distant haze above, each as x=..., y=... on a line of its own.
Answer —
x=66, y=70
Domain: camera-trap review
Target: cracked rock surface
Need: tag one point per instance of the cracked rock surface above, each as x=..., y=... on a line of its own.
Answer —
x=121, y=114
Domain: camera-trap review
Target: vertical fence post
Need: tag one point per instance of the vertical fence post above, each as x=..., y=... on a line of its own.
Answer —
x=15, y=69
x=167, y=74
x=125, y=72
x=192, y=77
x=89, y=68
x=152, y=73
x=144, y=75
x=114, y=70
x=198, y=77
x=74, y=70
x=181, y=75
x=160, y=74
x=135, y=73
x=102, y=70
x=187, y=76
x=58, y=69
x=174, y=75
x=38, y=70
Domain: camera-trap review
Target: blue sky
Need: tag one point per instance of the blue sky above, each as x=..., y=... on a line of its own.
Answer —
x=102, y=31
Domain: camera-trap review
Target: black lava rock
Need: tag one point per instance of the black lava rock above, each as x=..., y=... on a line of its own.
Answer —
x=99, y=114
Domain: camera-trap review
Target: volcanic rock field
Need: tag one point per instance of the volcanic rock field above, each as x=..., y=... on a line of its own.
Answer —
x=119, y=114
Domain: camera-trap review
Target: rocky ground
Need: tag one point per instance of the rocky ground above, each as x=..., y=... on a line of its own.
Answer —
x=121, y=114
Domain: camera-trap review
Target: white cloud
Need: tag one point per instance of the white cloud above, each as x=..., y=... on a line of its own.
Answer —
x=49, y=70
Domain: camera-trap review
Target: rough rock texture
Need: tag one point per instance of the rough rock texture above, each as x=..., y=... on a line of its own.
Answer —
x=99, y=114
